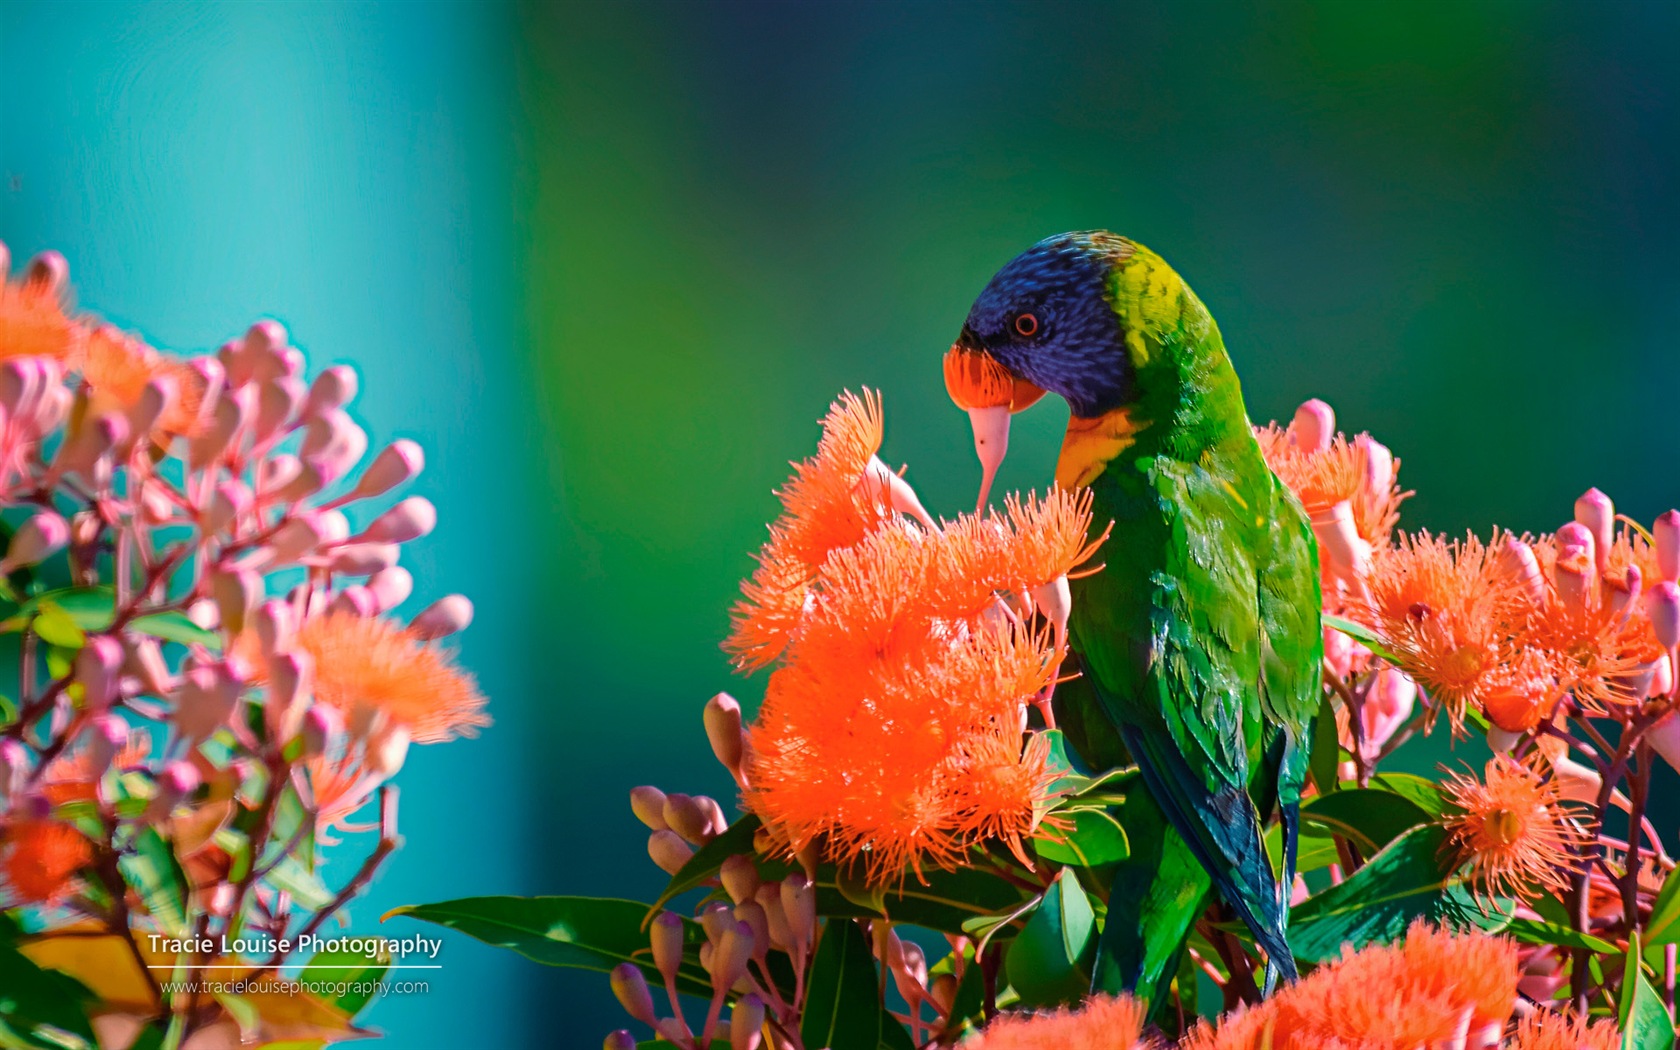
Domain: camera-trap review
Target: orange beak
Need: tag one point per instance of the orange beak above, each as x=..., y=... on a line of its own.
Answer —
x=990, y=393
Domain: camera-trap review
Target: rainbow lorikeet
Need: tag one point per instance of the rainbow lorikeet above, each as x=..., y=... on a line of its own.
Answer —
x=1200, y=641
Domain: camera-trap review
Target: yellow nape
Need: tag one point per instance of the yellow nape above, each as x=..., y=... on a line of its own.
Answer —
x=1149, y=297
x=1091, y=444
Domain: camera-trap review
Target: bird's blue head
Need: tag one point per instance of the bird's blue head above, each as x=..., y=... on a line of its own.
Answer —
x=1048, y=317
x=1045, y=322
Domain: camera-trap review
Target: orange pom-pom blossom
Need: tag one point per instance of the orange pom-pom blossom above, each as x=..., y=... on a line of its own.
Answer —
x=1105, y=1022
x=1549, y=1030
x=368, y=665
x=822, y=509
x=39, y=860
x=33, y=324
x=892, y=734
x=1512, y=828
x=117, y=367
x=1446, y=611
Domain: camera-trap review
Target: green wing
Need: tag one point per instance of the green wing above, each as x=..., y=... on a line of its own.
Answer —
x=1172, y=640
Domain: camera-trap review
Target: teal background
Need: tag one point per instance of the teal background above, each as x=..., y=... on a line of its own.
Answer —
x=610, y=261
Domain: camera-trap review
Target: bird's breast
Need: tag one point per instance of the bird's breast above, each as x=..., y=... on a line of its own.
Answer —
x=1092, y=443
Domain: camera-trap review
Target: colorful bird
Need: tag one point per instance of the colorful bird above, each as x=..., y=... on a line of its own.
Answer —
x=1200, y=642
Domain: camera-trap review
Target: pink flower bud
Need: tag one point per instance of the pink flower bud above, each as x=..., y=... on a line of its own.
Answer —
x=51, y=409
x=799, y=905
x=399, y=462
x=85, y=449
x=666, y=936
x=632, y=992
x=1662, y=679
x=145, y=662
x=275, y=626
x=205, y=701
x=446, y=616
x=231, y=499
x=1597, y=515
x=266, y=354
x=218, y=437
x=107, y=735
x=688, y=818
x=1665, y=614
x=746, y=1023
x=729, y=960
x=1379, y=463
x=276, y=401
x=1622, y=593
x=235, y=592
x=211, y=378
x=386, y=751
x=769, y=897
x=739, y=876
x=297, y=537
x=1665, y=536
x=715, y=918
x=14, y=766
x=177, y=781
x=290, y=677
x=334, y=443
x=318, y=729
x=390, y=588
x=716, y=822
x=154, y=401
x=364, y=559
x=1664, y=738
x=648, y=803
x=888, y=488
x=20, y=384
x=355, y=600
x=5, y=260
x=1345, y=553
x=722, y=717
x=409, y=520
x=752, y=913
x=48, y=271
x=37, y=539
x=669, y=851
x=1314, y=426
x=1519, y=560
x=275, y=476
x=97, y=668
x=1574, y=534
x=620, y=1040
x=332, y=390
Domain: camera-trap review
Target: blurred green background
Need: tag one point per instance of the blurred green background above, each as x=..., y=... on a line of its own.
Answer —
x=610, y=261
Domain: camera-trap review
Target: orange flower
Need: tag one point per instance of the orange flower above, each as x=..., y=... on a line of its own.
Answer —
x=1445, y=610
x=340, y=789
x=1594, y=641
x=822, y=509
x=1248, y=1028
x=1548, y=1030
x=117, y=367
x=33, y=324
x=70, y=776
x=1106, y=1022
x=1512, y=828
x=1473, y=971
x=372, y=664
x=39, y=859
x=1320, y=478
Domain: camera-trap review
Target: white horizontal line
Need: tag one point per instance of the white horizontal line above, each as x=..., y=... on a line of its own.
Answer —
x=284, y=965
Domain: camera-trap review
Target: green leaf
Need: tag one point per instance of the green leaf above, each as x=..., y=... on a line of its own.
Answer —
x=1664, y=924
x=737, y=840
x=842, y=1001
x=1325, y=759
x=853, y=885
x=948, y=898
x=1531, y=931
x=1408, y=879
x=336, y=965
x=1049, y=962
x=57, y=627
x=1640, y=1015
x=92, y=609
x=1058, y=760
x=154, y=873
x=1420, y=792
x=1369, y=817
x=1364, y=636
x=237, y=845
x=37, y=1004
x=1095, y=838
x=589, y=933
x=304, y=885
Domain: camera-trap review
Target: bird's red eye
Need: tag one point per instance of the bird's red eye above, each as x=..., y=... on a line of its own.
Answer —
x=1026, y=324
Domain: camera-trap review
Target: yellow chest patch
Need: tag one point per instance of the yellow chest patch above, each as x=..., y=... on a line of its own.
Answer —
x=1091, y=444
